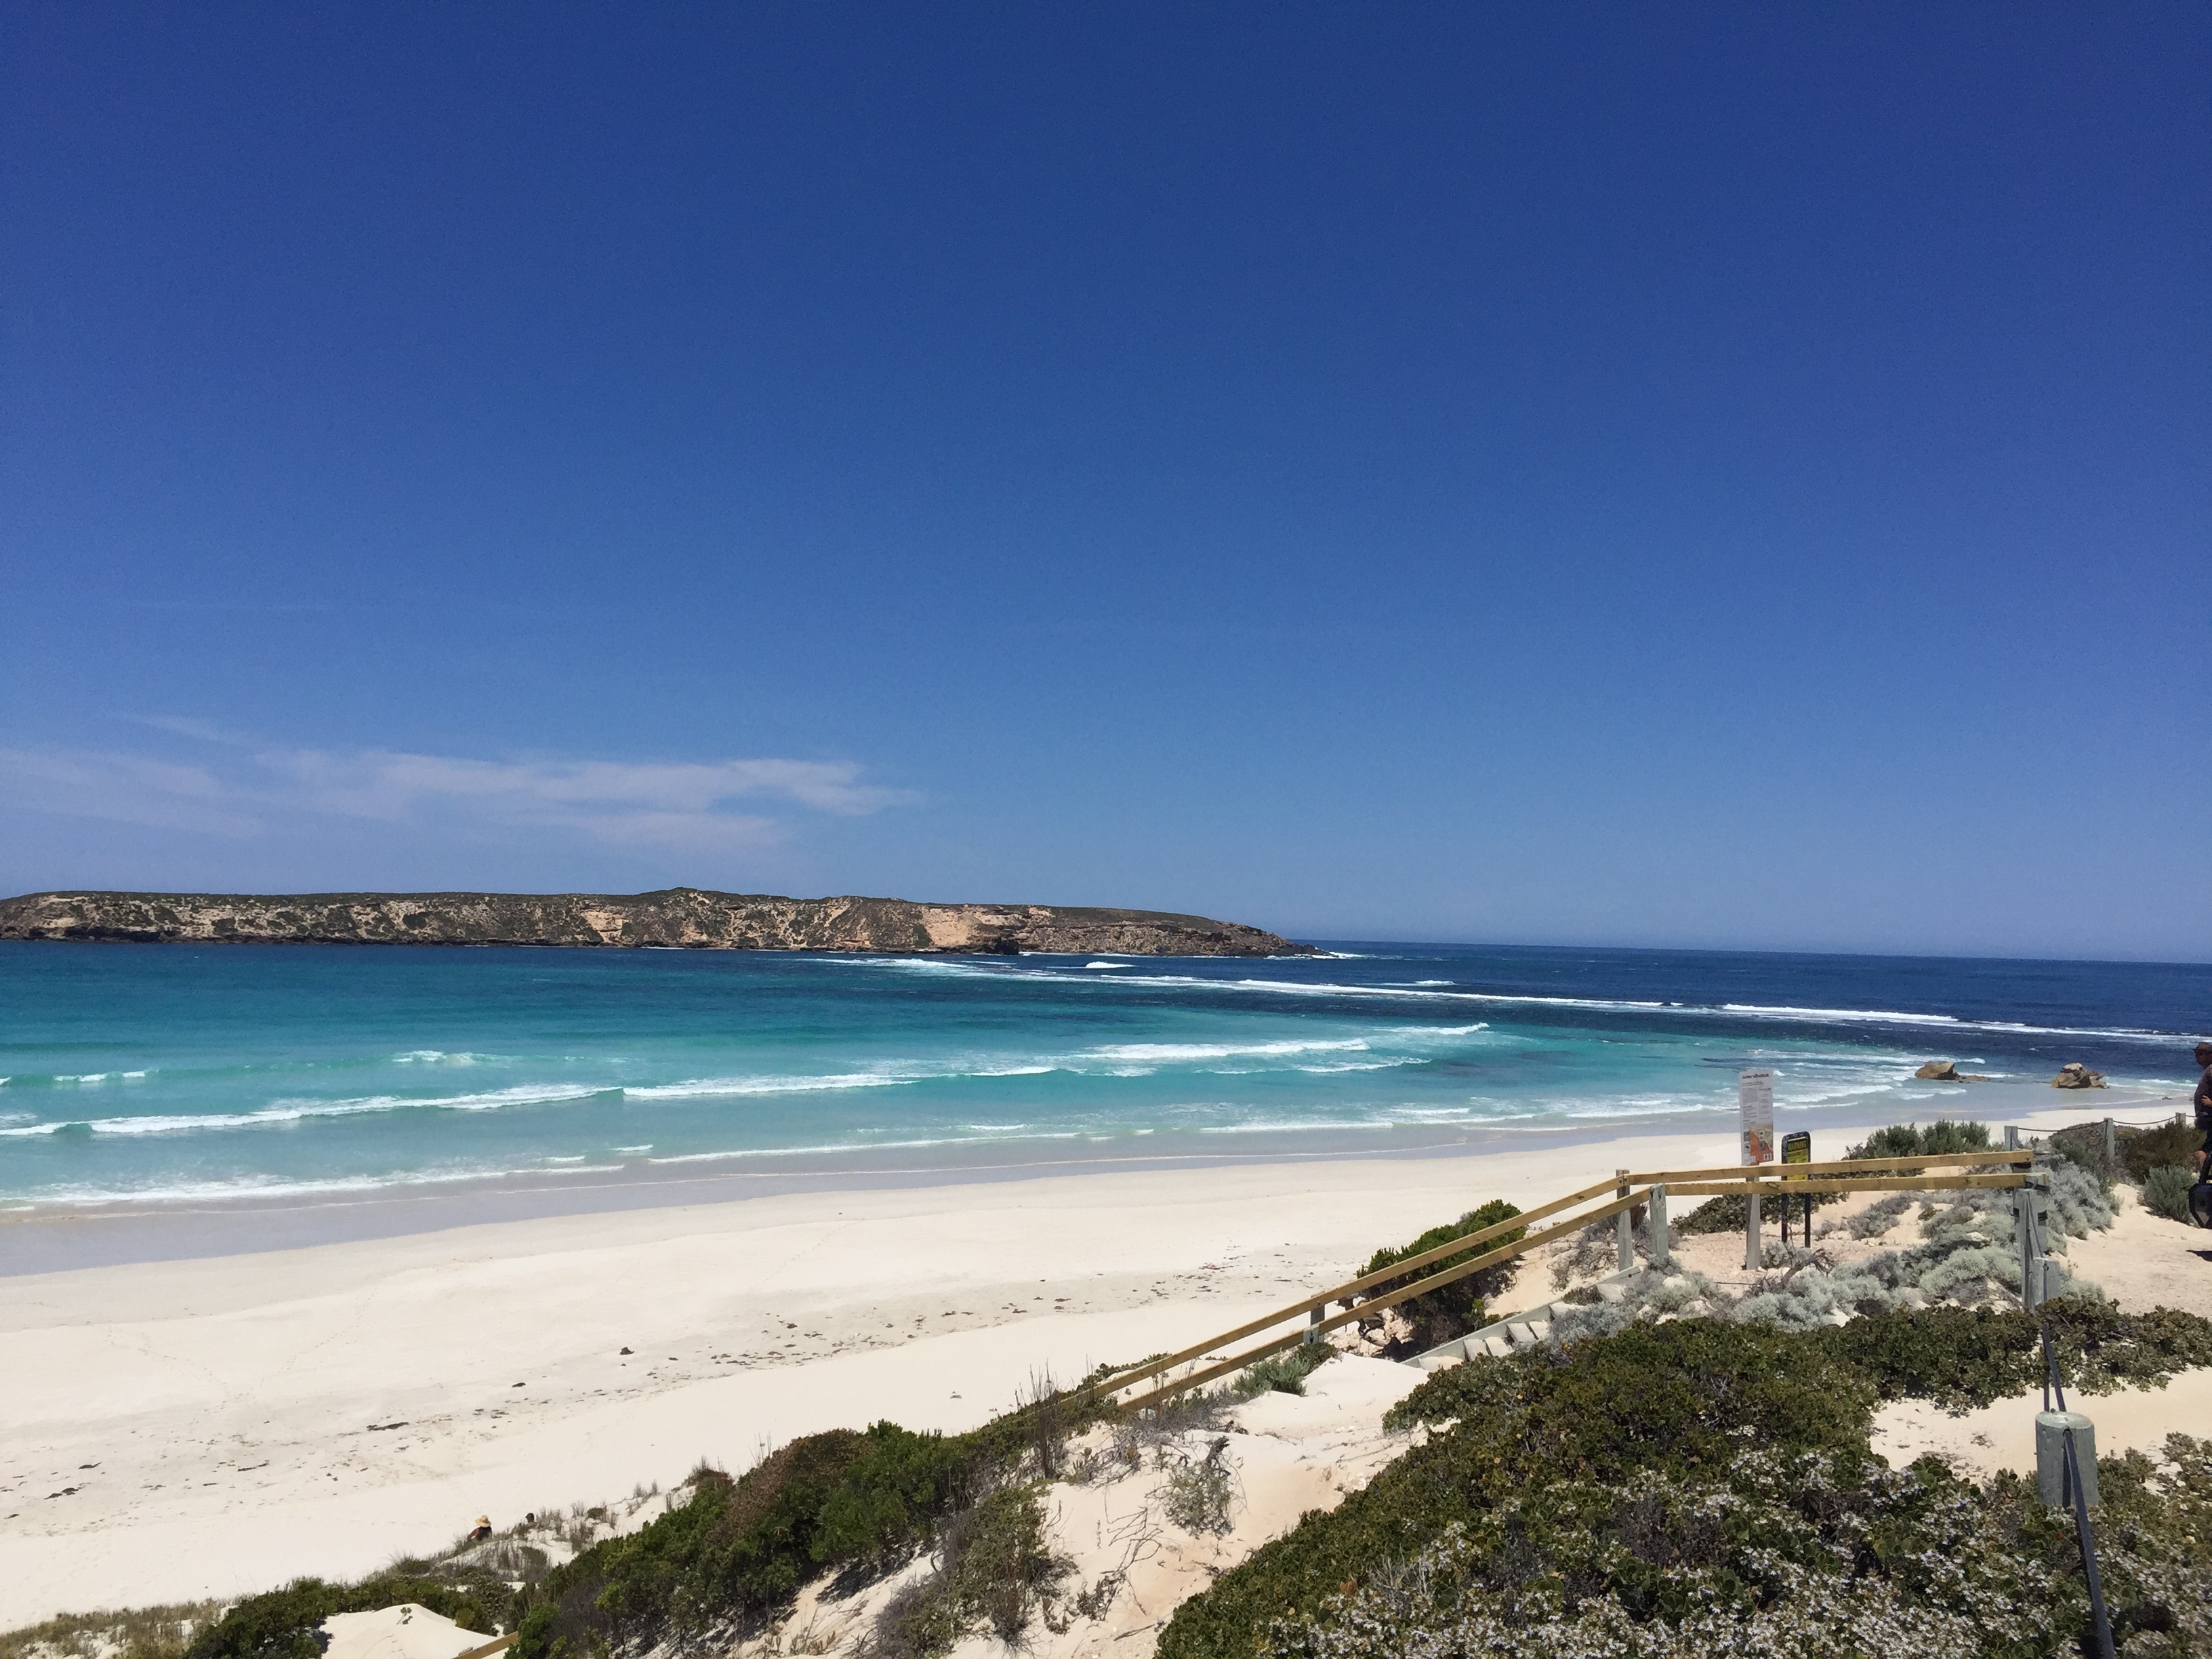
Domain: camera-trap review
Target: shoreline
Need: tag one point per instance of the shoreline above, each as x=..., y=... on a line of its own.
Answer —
x=63, y=1236
x=212, y=1426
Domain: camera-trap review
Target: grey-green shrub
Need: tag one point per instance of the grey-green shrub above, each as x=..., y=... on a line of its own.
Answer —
x=2166, y=1192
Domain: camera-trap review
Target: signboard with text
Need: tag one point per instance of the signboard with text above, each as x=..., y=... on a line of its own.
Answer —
x=1754, y=1099
x=1798, y=1148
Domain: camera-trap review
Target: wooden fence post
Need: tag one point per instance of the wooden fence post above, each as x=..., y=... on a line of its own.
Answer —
x=1623, y=1230
x=1662, y=1247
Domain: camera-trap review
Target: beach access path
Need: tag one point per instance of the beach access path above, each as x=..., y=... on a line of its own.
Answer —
x=214, y=1426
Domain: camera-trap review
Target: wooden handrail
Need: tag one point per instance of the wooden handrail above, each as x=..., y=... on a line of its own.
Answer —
x=1667, y=1178
x=1435, y=1281
x=1628, y=1190
x=1352, y=1287
x=1791, y=1189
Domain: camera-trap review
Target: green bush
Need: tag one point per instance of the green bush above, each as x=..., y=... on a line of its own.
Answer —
x=1458, y=1308
x=737, y=1549
x=1597, y=1474
x=2174, y=1143
x=2084, y=1143
x=1676, y=1398
x=282, y=1624
x=994, y=1566
x=1731, y=1212
x=1285, y=1372
x=1959, y=1357
x=1939, y=1139
x=2166, y=1192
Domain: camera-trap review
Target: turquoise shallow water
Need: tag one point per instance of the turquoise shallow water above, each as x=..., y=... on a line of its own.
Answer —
x=164, y=1073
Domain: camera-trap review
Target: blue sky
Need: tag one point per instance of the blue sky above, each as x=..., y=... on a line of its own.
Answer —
x=1701, y=476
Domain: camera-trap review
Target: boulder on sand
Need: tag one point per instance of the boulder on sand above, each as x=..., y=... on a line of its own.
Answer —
x=2075, y=1075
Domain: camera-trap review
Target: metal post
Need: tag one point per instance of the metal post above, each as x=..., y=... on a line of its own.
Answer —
x=1662, y=1247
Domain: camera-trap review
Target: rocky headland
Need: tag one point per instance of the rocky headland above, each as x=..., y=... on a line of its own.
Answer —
x=679, y=917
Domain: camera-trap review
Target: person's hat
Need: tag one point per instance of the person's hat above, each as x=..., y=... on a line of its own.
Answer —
x=483, y=1520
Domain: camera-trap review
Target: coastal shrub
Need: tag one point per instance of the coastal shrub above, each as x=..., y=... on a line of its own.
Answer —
x=2175, y=1144
x=156, y=1633
x=1937, y=1139
x=2083, y=1144
x=1647, y=1295
x=1884, y=1213
x=993, y=1566
x=1771, y=1555
x=282, y=1624
x=735, y=1550
x=1700, y=1487
x=1731, y=1212
x=1285, y=1372
x=1199, y=1490
x=2166, y=1192
x=2080, y=1204
x=1671, y=1398
x=1439, y=1315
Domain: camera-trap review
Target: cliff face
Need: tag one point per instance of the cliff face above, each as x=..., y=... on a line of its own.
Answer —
x=681, y=916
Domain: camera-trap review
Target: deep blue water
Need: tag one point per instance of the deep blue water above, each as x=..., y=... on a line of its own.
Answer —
x=173, y=1072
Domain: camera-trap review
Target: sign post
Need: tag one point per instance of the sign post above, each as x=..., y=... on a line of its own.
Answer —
x=1754, y=1101
x=1797, y=1148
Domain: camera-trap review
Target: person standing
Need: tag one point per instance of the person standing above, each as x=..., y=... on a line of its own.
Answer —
x=2204, y=1111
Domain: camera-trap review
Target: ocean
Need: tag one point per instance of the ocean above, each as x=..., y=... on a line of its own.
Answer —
x=166, y=1074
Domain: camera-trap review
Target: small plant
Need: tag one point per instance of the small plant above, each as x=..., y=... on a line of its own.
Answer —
x=1199, y=1490
x=992, y=1564
x=1284, y=1373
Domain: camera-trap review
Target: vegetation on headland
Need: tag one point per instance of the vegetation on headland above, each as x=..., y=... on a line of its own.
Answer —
x=687, y=918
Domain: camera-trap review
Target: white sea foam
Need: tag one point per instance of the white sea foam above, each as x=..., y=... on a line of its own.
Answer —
x=1094, y=965
x=293, y=1111
x=1167, y=1051
x=1602, y=1005
x=712, y=1087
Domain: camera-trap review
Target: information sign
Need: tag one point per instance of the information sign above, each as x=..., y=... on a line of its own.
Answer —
x=1754, y=1099
x=1798, y=1148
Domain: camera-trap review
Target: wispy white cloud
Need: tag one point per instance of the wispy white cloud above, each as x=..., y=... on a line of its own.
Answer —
x=123, y=788
x=243, y=789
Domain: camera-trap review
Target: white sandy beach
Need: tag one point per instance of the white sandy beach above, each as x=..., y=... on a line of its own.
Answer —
x=211, y=1427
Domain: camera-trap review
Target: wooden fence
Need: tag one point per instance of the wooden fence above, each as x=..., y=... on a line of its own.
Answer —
x=1599, y=1201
